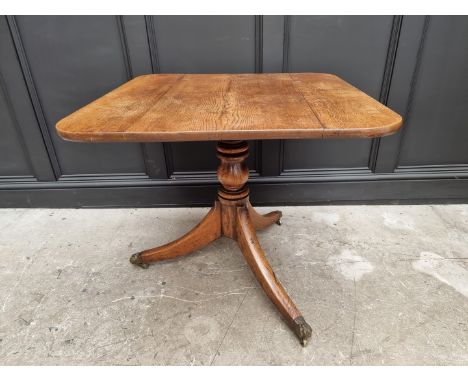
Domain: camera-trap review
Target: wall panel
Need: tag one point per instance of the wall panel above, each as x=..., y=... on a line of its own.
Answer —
x=52, y=65
x=73, y=60
x=203, y=44
x=439, y=113
x=354, y=48
x=13, y=159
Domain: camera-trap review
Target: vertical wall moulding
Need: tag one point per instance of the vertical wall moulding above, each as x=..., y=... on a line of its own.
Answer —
x=19, y=134
x=34, y=97
x=154, y=54
x=414, y=80
x=151, y=171
x=386, y=81
x=258, y=69
x=258, y=44
x=285, y=69
x=124, y=44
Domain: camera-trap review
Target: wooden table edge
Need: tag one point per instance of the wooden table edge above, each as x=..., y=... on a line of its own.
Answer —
x=322, y=133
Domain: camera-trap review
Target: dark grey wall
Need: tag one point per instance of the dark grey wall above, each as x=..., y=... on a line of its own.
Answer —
x=50, y=66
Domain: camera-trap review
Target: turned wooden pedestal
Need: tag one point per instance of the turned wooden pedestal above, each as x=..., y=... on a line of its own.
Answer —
x=233, y=216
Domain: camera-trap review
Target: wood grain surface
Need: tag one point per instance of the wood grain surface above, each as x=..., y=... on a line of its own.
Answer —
x=195, y=107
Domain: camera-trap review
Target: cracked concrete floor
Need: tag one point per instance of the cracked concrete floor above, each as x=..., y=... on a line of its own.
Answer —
x=378, y=284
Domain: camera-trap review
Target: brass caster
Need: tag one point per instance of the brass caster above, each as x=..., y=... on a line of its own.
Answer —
x=135, y=259
x=278, y=221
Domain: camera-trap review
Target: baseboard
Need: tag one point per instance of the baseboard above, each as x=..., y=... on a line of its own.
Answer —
x=180, y=194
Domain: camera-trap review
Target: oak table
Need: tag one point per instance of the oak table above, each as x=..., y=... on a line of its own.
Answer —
x=231, y=109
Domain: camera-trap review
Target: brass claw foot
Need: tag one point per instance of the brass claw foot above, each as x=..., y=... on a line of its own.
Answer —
x=135, y=259
x=302, y=330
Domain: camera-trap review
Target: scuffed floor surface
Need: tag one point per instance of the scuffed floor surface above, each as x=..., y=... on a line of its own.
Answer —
x=380, y=285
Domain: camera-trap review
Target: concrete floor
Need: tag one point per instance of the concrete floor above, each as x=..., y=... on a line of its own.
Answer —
x=378, y=284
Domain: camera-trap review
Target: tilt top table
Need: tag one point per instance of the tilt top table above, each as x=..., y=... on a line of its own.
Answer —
x=231, y=108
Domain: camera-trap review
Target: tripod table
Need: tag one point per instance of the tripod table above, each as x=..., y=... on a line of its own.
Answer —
x=231, y=109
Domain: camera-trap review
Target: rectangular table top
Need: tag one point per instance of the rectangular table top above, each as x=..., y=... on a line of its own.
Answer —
x=199, y=107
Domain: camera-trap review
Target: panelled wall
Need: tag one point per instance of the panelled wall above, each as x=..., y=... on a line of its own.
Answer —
x=51, y=66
